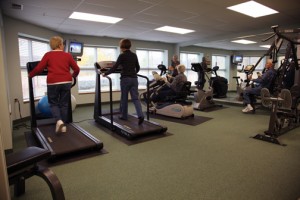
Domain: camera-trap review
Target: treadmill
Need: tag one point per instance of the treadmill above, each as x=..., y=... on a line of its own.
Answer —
x=109, y=119
x=75, y=141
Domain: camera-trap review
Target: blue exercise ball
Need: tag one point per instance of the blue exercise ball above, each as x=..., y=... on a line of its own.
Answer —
x=43, y=106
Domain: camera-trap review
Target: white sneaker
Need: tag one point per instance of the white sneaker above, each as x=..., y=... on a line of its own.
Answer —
x=59, y=126
x=64, y=129
x=245, y=109
x=250, y=107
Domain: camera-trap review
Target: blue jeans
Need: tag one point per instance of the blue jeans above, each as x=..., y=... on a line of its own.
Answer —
x=130, y=85
x=59, y=99
x=250, y=91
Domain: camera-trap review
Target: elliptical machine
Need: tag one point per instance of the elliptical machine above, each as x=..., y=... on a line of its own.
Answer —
x=176, y=106
x=219, y=84
x=204, y=99
x=241, y=84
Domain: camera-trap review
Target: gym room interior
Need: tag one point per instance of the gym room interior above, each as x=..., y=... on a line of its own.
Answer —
x=216, y=153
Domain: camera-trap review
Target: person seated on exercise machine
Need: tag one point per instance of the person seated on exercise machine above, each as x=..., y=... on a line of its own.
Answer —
x=170, y=89
x=172, y=72
x=263, y=81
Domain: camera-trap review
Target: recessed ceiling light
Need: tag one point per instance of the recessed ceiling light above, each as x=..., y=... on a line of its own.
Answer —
x=94, y=18
x=253, y=9
x=174, y=30
x=244, y=41
x=265, y=46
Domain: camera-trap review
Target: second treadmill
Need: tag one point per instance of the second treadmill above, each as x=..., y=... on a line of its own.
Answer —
x=128, y=128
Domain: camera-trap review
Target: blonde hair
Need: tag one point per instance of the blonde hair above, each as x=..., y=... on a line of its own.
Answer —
x=55, y=42
x=181, y=68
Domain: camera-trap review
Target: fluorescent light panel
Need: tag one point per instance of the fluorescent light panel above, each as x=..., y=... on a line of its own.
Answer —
x=94, y=18
x=253, y=9
x=174, y=30
x=243, y=41
x=265, y=46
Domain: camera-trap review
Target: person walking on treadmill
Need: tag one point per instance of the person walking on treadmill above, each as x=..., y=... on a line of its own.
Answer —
x=128, y=61
x=59, y=80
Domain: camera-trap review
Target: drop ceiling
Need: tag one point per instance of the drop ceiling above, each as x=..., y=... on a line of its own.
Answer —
x=214, y=25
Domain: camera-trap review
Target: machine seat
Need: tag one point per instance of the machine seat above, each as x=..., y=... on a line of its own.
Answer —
x=27, y=157
x=24, y=164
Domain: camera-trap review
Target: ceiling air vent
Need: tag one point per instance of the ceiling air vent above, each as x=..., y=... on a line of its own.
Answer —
x=16, y=6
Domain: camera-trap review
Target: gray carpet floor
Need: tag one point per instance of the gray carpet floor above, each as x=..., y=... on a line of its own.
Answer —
x=215, y=160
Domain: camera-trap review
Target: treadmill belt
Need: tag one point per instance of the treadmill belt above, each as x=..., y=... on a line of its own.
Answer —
x=63, y=143
x=131, y=125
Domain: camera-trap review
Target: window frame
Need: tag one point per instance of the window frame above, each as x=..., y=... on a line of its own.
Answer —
x=104, y=82
x=191, y=75
x=39, y=82
x=147, y=71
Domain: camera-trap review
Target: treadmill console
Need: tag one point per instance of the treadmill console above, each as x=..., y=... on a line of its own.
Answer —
x=104, y=66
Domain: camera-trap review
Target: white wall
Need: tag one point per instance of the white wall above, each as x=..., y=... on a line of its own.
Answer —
x=5, y=122
x=5, y=117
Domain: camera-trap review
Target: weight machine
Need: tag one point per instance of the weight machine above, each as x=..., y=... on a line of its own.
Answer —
x=285, y=102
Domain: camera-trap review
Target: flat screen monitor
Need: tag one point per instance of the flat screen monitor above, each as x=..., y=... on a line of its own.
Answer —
x=237, y=59
x=75, y=48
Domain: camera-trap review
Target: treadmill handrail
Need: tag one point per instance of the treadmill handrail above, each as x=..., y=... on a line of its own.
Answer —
x=110, y=100
x=148, y=94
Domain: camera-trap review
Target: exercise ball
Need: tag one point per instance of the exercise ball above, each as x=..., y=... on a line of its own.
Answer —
x=43, y=106
x=73, y=102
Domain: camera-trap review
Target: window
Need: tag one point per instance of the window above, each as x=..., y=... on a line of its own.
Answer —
x=32, y=50
x=149, y=60
x=251, y=60
x=187, y=58
x=87, y=75
x=221, y=62
x=280, y=60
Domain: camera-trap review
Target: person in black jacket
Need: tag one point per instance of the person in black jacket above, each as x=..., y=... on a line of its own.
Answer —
x=129, y=64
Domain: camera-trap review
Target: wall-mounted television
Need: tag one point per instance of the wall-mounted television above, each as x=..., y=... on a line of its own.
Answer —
x=237, y=59
x=75, y=48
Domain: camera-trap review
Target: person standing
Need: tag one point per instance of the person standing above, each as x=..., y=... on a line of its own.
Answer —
x=128, y=61
x=174, y=63
x=59, y=80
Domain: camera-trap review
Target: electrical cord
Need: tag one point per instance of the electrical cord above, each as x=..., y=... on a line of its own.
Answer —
x=22, y=125
x=19, y=107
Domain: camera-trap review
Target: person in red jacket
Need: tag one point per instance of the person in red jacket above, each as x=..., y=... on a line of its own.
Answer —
x=59, y=80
